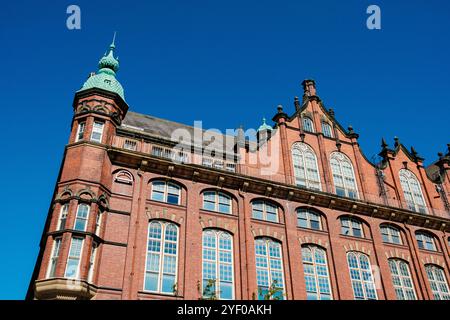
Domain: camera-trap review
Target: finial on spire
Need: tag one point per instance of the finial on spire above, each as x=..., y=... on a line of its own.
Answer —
x=113, y=43
x=383, y=143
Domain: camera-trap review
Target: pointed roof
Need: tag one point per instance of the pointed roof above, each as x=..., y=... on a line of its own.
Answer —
x=265, y=126
x=105, y=78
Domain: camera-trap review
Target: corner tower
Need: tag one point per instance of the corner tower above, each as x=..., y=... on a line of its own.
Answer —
x=73, y=231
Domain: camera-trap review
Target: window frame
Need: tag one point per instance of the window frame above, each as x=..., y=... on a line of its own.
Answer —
x=436, y=282
x=389, y=234
x=314, y=265
x=424, y=237
x=69, y=257
x=217, y=250
x=267, y=242
x=361, y=278
x=407, y=182
x=326, y=133
x=351, y=227
x=81, y=129
x=92, y=261
x=165, y=193
x=308, y=214
x=304, y=162
x=62, y=217
x=164, y=224
x=401, y=279
x=308, y=124
x=341, y=159
x=53, y=261
x=97, y=131
x=264, y=211
x=217, y=202
x=85, y=219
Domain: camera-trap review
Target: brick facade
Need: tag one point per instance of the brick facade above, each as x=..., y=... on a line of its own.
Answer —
x=90, y=174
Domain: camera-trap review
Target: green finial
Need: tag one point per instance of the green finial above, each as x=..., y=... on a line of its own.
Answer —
x=265, y=126
x=105, y=78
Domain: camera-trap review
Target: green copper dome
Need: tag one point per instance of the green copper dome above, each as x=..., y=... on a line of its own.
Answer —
x=105, y=78
x=265, y=126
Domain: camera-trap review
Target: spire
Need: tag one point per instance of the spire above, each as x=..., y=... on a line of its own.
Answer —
x=383, y=143
x=108, y=63
x=105, y=78
x=265, y=126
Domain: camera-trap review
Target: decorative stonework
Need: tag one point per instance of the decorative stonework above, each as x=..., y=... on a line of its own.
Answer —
x=218, y=223
x=356, y=246
x=313, y=240
x=86, y=191
x=396, y=254
x=433, y=260
x=267, y=232
x=157, y=214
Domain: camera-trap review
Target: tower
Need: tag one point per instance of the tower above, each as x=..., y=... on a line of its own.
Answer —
x=72, y=233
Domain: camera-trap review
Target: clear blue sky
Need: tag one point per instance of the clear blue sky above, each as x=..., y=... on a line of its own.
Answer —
x=223, y=62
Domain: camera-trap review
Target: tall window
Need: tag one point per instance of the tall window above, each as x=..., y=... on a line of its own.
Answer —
x=80, y=131
x=216, y=201
x=361, y=276
x=326, y=130
x=317, y=277
x=82, y=217
x=425, y=241
x=401, y=278
x=263, y=210
x=351, y=227
x=343, y=175
x=438, y=282
x=73, y=260
x=161, y=266
x=63, y=217
x=54, y=258
x=166, y=192
x=412, y=191
x=306, y=218
x=92, y=261
x=98, y=222
x=218, y=264
x=305, y=166
x=390, y=234
x=308, y=124
x=269, y=267
x=97, y=131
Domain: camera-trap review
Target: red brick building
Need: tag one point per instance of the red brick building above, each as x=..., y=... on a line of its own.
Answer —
x=137, y=214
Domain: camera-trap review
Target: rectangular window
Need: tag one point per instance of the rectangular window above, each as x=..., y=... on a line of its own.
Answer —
x=98, y=222
x=92, y=261
x=80, y=131
x=130, y=145
x=54, y=258
x=73, y=260
x=97, y=131
x=63, y=217
x=82, y=217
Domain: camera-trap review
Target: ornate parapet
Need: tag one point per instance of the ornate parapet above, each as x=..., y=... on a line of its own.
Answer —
x=63, y=289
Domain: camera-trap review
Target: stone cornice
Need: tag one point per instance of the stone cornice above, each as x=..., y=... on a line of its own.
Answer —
x=277, y=190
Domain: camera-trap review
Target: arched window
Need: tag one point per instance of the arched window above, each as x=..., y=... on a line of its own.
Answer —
x=317, y=277
x=218, y=276
x=307, y=218
x=305, y=166
x=326, y=130
x=361, y=276
x=343, y=175
x=216, y=201
x=263, y=210
x=352, y=227
x=166, y=192
x=63, y=217
x=161, y=265
x=438, y=282
x=308, y=124
x=82, y=217
x=412, y=191
x=401, y=278
x=390, y=234
x=269, y=268
x=425, y=241
x=123, y=177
